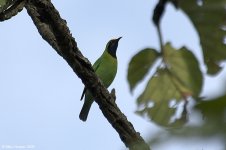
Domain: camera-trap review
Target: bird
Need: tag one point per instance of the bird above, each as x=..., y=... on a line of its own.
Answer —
x=106, y=68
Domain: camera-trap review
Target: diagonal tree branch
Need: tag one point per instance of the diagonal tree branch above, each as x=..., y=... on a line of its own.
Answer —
x=54, y=30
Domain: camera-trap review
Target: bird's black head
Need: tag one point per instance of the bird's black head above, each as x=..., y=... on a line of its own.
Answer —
x=112, y=46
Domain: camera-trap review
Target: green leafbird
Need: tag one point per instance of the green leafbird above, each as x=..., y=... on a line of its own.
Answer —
x=106, y=68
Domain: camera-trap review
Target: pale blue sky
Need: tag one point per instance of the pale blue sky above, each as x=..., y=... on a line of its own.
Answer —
x=39, y=100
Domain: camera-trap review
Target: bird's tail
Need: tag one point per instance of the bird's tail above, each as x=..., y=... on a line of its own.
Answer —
x=85, y=111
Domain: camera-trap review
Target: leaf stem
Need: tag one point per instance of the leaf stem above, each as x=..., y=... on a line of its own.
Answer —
x=160, y=38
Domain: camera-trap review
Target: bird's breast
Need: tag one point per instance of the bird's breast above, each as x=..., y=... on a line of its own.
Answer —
x=107, y=70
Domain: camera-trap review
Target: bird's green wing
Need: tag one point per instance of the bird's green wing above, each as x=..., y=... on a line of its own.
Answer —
x=95, y=67
x=97, y=64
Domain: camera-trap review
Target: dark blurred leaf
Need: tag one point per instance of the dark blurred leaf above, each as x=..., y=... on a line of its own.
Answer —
x=179, y=79
x=209, y=18
x=158, y=11
x=174, y=2
x=139, y=66
x=213, y=110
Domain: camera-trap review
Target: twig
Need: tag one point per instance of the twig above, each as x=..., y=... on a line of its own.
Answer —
x=14, y=7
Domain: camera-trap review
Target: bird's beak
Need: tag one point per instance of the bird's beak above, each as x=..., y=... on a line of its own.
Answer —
x=118, y=38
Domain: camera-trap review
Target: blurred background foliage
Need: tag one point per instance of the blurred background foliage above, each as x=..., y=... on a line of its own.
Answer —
x=172, y=96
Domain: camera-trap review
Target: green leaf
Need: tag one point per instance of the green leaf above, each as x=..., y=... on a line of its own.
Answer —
x=139, y=66
x=184, y=66
x=178, y=79
x=214, y=114
x=213, y=109
x=161, y=113
x=182, y=120
x=160, y=90
x=209, y=19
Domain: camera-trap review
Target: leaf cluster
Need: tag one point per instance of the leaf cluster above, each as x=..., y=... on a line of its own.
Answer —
x=178, y=77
